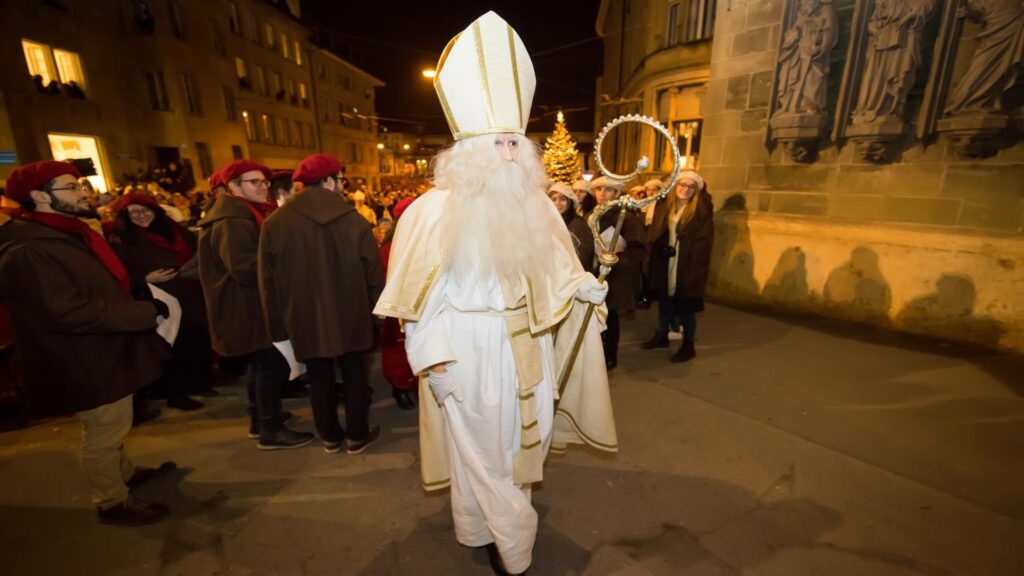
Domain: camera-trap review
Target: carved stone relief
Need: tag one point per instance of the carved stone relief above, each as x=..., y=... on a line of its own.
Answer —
x=800, y=115
x=895, y=30
x=974, y=115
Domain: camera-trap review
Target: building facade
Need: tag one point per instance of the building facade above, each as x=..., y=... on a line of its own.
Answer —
x=657, y=57
x=867, y=163
x=137, y=84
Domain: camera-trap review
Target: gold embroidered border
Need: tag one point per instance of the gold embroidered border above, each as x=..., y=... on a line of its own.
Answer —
x=528, y=446
x=419, y=297
x=428, y=486
x=515, y=69
x=447, y=109
x=499, y=130
x=532, y=425
x=482, y=63
x=537, y=321
x=583, y=435
x=527, y=397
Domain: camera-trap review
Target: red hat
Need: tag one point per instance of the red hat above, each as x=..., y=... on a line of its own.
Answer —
x=215, y=180
x=316, y=167
x=236, y=168
x=401, y=206
x=31, y=176
x=139, y=199
x=279, y=174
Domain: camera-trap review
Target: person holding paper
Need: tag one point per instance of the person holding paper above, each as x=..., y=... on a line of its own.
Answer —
x=86, y=345
x=320, y=274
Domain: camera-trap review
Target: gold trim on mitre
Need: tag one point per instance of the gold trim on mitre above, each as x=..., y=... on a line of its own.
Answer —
x=485, y=80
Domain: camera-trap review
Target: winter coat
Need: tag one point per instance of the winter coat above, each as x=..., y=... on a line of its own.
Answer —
x=622, y=282
x=694, y=249
x=83, y=342
x=228, y=244
x=320, y=275
x=583, y=240
x=144, y=256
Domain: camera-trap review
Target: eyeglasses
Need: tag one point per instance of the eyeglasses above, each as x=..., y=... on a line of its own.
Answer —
x=71, y=188
x=257, y=182
x=139, y=211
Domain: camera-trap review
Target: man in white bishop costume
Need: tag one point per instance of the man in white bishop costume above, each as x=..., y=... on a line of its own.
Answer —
x=483, y=274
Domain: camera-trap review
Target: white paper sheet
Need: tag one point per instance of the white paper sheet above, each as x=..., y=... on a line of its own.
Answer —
x=295, y=368
x=167, y=328
x=620, y=245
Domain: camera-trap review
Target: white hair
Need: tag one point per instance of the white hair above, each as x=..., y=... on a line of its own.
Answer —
x=499, y=217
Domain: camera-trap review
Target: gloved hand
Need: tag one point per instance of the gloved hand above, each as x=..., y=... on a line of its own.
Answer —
x=442, y=385
x=592, y=291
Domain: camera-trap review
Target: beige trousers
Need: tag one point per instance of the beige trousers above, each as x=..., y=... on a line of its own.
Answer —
x=102, y=456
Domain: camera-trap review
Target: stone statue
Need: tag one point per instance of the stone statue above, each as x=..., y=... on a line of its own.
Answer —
x=895, y=30
x=800, y=116
x=997, y=58
x=803, y=58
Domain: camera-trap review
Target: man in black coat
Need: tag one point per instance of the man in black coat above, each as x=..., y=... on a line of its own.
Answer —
x=86, y=346
x=320, y=276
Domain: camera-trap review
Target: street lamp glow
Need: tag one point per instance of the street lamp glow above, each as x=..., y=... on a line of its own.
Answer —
x=380, y=146
x=405, y=146
x=429, y=73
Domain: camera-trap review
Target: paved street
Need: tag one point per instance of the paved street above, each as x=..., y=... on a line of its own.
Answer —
x=788, y=447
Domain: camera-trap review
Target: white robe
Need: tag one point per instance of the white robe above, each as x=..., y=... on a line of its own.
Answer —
x=463, y=325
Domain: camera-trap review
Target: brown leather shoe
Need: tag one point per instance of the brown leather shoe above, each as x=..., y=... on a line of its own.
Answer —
x=144, y=474
x=133, y=513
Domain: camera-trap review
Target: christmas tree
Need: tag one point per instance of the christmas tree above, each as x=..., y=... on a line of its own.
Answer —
x=560, y=155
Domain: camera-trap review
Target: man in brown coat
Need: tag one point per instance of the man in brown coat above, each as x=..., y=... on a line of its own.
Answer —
x=320, y=276
x=228, y=242
x=86, y=346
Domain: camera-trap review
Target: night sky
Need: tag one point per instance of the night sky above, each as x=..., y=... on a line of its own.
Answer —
x=396, y=40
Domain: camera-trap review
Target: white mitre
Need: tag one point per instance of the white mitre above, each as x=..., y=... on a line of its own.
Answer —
x=485, y=80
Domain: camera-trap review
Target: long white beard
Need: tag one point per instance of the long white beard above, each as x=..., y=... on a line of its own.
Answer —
x=499, y=221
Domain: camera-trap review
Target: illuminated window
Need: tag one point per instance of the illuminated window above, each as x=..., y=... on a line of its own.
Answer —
x=275, y=86
x=281, y=130
x=286, y=46
x=242, y=72
x=298, y=53
x=73, y=146
x=268, y=34
x=303, y=94
x=53, y=64
x=250, y=126
x=37, y=56
x=291, y=92
x=69, y=67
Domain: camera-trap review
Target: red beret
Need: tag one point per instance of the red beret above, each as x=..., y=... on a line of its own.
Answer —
x=401, y=206
x=215, y=180
x=236, y=168
x=31, y=176
x=316, y=167
x=139, y=199
x=279, y=174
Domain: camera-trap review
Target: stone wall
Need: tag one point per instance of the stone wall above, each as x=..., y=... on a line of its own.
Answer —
x=921, y=232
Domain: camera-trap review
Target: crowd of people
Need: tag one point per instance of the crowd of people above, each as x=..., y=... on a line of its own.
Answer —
x=475, y=290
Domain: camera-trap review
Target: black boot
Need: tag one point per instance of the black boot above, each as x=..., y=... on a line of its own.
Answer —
x=659, y=340
x=685, y=353
x=275, y=436
x=406, y=399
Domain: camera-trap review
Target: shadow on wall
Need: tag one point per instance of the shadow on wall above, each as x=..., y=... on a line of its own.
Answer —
x=732, y=258
x=949, y=313
x=788, y=282
x=857, y=290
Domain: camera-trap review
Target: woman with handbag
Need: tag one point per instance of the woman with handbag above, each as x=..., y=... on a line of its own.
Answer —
x=679, y=243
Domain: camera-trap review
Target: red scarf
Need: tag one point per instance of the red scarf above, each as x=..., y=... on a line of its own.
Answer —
x=94, y=241
x=259, y=210
x=182, y=251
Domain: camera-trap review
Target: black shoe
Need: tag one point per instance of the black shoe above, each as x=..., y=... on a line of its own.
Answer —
x=184, y=403
x=610, y=364
x=283, y=439
x=406, y=399
x=254, y=424
x=659, y=340
x=144, y=474
x=357, y=446
x=685, y=353
x=133, y=513
x=294, y=389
